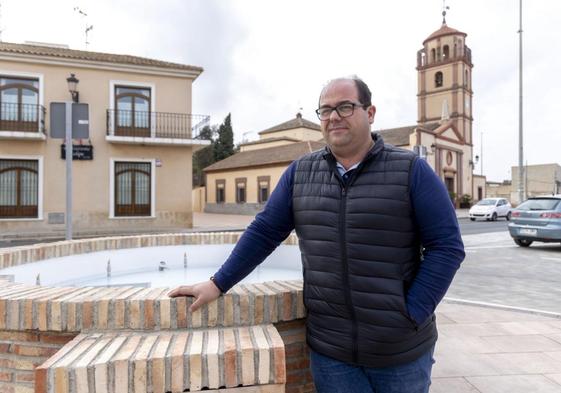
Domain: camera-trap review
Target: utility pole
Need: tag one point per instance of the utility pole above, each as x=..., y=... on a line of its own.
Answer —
x=481, y=153
x=520, y=124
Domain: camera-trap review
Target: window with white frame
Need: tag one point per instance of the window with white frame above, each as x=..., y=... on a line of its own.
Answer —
x=19, y=188
x=19, y=103
x=132, y=110
x=133, y=188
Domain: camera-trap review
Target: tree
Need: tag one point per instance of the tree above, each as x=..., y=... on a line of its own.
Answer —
x=221, y=146
x=203, y=157
x=224, y=144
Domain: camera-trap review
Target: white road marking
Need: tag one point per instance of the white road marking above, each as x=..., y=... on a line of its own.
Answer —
x=487, y=247
x=552, y=259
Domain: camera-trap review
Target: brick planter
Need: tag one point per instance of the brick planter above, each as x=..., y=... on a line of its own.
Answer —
x=240, y=340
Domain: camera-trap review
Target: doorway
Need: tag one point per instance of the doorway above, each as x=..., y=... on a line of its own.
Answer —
x=449, y=182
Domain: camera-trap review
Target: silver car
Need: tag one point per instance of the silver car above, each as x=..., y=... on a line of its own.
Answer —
x=537, y=219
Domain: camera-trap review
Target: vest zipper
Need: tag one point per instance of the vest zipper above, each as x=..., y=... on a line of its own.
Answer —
x=344, y=261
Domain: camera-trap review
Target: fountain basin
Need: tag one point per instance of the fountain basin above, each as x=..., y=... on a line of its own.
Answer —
x=37, y=322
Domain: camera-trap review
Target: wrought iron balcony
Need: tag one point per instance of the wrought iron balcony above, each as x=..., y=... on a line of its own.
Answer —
x=28, y=118
x=141, y=124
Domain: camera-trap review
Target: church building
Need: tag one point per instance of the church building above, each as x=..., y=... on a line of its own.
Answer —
x=443, y=134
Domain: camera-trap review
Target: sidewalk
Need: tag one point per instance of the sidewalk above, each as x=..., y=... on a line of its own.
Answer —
x=490, y=349
x=481, y=348
x=462, y=213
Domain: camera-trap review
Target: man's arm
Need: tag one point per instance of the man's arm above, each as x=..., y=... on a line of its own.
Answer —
x=262, y=236
x=443, y=249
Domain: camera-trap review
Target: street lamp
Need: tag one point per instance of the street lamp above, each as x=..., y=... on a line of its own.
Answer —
x=73, y=87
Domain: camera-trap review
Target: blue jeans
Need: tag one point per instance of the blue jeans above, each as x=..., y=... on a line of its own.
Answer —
x=333, y=376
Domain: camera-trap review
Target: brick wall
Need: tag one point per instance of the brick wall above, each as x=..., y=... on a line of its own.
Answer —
x=298, y=376
x=21, y=353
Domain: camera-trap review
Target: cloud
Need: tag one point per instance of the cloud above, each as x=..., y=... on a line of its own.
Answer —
x=264, y=60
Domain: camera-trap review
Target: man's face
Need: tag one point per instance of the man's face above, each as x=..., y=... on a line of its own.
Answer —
x=350, y=134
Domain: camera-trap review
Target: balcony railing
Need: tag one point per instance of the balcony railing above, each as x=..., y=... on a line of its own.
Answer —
x=143, y=124
x=424, y=59
x=22, y=117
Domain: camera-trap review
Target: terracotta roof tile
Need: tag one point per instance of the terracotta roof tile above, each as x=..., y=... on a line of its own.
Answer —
x=271, y=155
x=268, y=140
x=397, y=136
x=64, y=53
x=297, y=122
x=444, y=30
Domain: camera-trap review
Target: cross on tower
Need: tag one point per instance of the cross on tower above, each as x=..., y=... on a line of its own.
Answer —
x=444, y=8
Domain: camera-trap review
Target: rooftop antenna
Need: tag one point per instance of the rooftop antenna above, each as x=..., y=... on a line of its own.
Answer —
x=87, y=28
x=444, y=8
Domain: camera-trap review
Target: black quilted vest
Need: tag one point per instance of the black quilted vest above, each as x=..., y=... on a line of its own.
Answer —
x=360, y=252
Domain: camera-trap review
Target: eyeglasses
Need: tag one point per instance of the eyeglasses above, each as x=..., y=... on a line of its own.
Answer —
x=346, y=109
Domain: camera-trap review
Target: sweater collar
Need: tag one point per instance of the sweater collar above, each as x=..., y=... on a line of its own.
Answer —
x=376, y=148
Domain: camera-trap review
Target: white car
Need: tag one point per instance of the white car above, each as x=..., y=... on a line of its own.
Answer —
x=490, y=209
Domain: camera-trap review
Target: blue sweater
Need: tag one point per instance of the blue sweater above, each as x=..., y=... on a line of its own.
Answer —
x=435, y=218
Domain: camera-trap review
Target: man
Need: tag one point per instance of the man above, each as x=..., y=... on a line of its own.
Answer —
x=380, y=245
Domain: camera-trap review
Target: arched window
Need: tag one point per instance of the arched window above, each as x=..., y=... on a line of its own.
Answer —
x=19, y=99
x=20, y=188
x=432, y=55
x=446, y=52
x=438, y=79
x=455, y=50
x=133, y=188
x=438, y=54
x=466, y=79
x=132, y=109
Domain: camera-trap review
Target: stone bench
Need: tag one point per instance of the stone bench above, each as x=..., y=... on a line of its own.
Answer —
x=168, y=361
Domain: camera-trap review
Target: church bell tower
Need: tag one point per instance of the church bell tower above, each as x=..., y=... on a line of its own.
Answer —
x=444, y=103
x=444, y=80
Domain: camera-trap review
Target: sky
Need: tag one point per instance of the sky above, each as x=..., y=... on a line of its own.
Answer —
x=264, y=61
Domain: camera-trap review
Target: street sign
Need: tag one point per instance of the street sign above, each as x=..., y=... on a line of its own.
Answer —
x=79, y=152
x=80, y=120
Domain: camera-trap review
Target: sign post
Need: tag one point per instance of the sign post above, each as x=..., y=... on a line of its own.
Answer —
x=69, y=120
x=68, y=142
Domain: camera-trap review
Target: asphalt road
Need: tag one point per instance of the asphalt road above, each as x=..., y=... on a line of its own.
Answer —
x=468, y=227
x=496, y=270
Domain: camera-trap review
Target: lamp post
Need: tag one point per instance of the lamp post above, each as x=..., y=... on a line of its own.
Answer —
x=73, y=87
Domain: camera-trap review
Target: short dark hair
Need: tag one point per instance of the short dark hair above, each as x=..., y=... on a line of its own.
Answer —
x=364, y=93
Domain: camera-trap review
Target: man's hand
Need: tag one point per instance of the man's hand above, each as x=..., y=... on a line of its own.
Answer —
x=203, y=292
